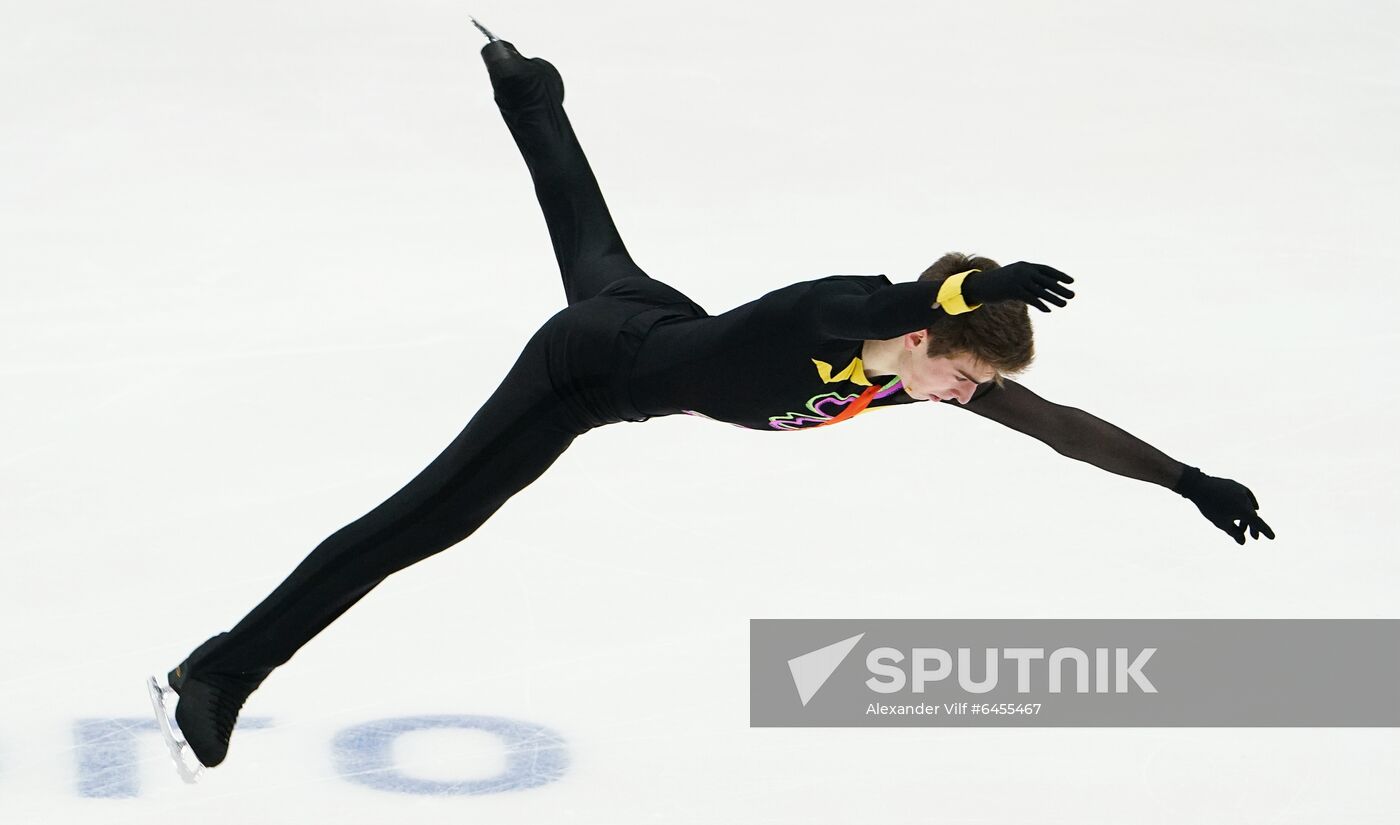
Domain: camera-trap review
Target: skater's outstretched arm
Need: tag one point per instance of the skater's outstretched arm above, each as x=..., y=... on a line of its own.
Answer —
x=1076, y=434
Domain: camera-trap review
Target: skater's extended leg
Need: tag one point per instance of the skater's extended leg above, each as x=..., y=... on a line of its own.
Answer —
x=502, y=450
x=530, y=94
x=510, y=442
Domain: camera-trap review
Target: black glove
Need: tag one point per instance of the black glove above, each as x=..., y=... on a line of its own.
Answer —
x=1224, y=503
x=1020, y=281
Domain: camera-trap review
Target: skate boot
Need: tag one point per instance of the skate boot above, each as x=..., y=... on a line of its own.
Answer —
x=206, y=710
x=518, y=80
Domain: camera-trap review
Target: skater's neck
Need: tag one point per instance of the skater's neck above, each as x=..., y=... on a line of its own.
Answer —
x=881, y=357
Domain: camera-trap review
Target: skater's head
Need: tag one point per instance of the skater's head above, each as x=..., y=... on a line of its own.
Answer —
x=949, y=376
x=951, y=358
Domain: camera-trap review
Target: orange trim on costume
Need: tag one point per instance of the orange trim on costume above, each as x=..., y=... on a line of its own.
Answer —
x=855, y=408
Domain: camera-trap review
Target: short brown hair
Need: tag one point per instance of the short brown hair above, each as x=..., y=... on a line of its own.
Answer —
x=997, y=334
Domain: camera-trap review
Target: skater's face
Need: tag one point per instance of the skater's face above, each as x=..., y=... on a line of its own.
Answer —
x=942, y=377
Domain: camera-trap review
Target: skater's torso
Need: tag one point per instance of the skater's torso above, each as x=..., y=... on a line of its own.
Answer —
x=766, y=365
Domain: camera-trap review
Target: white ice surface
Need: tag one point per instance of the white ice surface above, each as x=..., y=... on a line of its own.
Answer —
x=260, y=261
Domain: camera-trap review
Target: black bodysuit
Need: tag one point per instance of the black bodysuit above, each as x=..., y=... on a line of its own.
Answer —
x=626, y=348
x=789, y=360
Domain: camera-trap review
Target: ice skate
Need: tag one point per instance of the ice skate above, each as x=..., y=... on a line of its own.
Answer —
x=207, y=703
x=516, y=79
x=185, y=761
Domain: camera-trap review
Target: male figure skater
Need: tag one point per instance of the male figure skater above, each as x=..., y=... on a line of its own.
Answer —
x=627, y=348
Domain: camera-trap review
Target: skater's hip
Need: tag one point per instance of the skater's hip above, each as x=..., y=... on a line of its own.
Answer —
x=590, y=348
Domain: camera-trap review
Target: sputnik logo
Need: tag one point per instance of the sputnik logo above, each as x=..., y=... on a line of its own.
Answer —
x=811, y=670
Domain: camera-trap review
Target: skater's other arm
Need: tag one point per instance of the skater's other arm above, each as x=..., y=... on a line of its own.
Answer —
x=901, y=308
x=888, y=312
x=1076, y=434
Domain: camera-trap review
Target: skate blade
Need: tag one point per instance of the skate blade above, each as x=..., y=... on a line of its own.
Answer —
x=185, y=761
x=490, y=38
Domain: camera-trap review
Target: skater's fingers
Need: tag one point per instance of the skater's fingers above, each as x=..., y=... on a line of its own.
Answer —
x=1059, y=276
x=1045, y=285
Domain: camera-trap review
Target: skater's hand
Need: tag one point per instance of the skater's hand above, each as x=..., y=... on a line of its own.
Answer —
x=1032, y=283
x=1227, y=504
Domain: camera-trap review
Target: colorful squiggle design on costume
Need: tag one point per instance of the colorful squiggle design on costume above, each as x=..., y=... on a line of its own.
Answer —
x=824, y=407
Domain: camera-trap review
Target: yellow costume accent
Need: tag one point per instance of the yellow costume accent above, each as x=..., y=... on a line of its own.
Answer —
x=950, y=294
x=854, y=372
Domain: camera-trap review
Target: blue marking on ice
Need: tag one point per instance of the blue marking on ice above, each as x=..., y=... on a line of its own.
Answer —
x=108, y=765
x=535, y=755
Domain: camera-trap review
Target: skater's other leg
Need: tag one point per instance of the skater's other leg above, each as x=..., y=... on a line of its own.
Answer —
x=515, y=436
x=529, y=93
